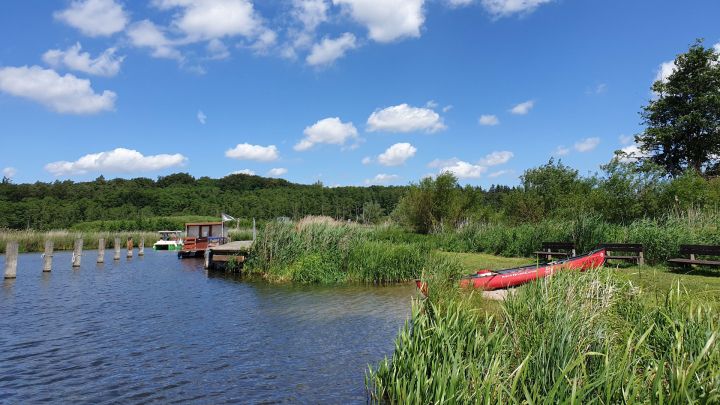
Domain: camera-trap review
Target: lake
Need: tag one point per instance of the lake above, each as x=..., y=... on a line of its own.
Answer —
x=156, y=329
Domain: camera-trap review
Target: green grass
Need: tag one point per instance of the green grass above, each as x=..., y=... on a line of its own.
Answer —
x=572, y=338
x=33, y=241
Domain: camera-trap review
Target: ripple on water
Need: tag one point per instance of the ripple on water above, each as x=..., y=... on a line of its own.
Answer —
x=155, y=329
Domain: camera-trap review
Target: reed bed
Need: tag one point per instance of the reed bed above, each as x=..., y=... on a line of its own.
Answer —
x=572, y=338
x=34, y=241
x=333, y=252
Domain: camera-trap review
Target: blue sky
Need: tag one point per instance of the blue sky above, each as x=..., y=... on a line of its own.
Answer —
x=348, y=92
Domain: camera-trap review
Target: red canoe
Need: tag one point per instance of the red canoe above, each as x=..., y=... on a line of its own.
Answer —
x=493, y=280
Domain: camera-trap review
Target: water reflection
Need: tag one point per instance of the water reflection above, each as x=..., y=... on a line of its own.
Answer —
x=159, y=329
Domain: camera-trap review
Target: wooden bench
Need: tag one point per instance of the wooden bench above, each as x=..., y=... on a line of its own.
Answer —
x=697, y=250
x=637, y=248
x=550, y=249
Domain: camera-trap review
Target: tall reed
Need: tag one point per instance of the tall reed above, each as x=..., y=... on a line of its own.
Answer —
x=33, y=241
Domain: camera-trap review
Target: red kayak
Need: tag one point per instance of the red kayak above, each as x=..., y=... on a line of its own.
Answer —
x=493, y=280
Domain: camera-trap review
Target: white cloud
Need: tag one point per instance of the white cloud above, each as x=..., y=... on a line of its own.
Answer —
x=145, y=34
x=244, y=171
x=504, y=8
x=464, y=170
x=523, y=108
x=63, y=94
x=405, y=118
x=459, y=3
x=561, y=151
x=631, y=153
x=106, y=64
x=499, y=173
x=717, y=47
x=208, y=19
x=245, y=151
x=119, y=160
x=94, y=17
x=328, y=50
x=9, y=172
x=626, y=139
x=387, y=20
x=201, y=117
x=397, y=154
x=367, y=160
x=329, y=131
x=447, y=108
x=382, y=178
x=276, y=172
x=665, y=70
x=496, y=158
x=443, y=162
x=489, y=120
x=587, y=144
x=217, y=50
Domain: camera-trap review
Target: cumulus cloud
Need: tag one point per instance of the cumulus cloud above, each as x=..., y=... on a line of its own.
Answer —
x=328, y=131
x=145, y=34
x=307, y=16
x=94, y=18
x=587, y=144
x=630, y=153
x=467, y=170
x=405, y=118
x=243, y=171
x=397, y=154
x=64, y=94
x=217, y=50
x=382, y=178
x=665, y=70
x=523, y=108
x=119, y=160
x=504, y=8
x=328, y=50
x=496, y=158
x=106, y=64
x=489, y=120
x=561, y=151
x=207, y=19
x=201, y=117
x=387, y=20
x=366, y=160
x=9, y=172
x=276, y=172
x=246, y=151
x=464, y=170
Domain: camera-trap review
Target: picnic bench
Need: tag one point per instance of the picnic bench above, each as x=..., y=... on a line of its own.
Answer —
x=615, y=250
x=697, y=250
x=550, y=249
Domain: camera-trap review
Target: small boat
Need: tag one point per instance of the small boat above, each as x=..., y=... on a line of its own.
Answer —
x=492, y=280
x=169, y=240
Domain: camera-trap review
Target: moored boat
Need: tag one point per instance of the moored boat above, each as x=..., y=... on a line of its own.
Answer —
x=169, y=240
x=493, y=280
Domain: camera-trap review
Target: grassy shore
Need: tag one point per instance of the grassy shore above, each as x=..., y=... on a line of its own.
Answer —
x=32, y=241
x=636, y=334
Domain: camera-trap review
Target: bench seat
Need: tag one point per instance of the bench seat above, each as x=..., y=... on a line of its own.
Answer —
x=546, y=253
x=623, y=257
x=701, y=262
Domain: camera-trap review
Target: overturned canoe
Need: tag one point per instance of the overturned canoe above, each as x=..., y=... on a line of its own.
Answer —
x=493, y=280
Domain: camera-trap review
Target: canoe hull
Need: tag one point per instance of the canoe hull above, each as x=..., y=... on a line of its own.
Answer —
x=521, y=275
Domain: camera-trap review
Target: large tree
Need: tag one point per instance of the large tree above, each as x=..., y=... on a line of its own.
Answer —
x=683, y=119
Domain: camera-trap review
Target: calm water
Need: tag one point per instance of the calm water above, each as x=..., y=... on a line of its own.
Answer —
x=158, y=329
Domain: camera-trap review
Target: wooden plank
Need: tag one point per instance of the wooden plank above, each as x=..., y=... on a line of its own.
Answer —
x=709, y=250
x=622, y=247
x=227, y=258
x=558, y=245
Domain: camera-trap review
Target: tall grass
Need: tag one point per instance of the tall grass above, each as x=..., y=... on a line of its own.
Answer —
x=34, y=241
x=661, y=237
x=572, y=338
x=332, y=252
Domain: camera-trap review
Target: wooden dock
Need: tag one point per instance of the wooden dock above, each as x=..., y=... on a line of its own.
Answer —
x=218, y=256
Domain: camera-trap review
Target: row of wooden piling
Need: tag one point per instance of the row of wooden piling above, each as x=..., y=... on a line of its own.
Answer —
x=12, y=248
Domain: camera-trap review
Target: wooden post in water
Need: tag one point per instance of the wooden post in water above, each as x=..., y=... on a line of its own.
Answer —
x=129, y=248
x=101, y=250
x=48, y=255
x=77, y=252
x=11, y=256
x=141, y=247
x=117, y=249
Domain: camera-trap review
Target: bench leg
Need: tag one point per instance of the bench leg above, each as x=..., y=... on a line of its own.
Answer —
x=641, y=259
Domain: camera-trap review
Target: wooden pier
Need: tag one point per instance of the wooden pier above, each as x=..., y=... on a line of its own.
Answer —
x=219, y=256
